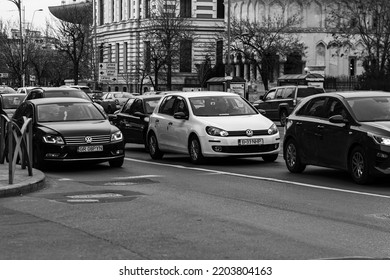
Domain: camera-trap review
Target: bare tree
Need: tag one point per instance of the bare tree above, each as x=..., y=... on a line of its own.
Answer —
x=166, y=29
x=366, y=22
x=262, y=41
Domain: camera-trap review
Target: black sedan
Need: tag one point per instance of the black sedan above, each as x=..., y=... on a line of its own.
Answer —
x=343, y=130
x=70, y=130
x=133, y=118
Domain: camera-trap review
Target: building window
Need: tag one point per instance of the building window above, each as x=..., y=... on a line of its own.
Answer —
x=147, y=8
x=185, y=8
x=147, y=56
x=320, y=54
x=314, y=17
x=109, y=53
x=113, y=11
x=101, y=53
x=120, y=10
x=220, y=9
x=101, y=12
x=129, y=8
x=219, y=52
x=125, y=59
x=117, y=57
x=186, y=56
x=352, y=66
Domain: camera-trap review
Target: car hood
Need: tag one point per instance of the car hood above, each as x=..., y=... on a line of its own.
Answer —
x=378, y=127
x=254, y=122
x=79, y=128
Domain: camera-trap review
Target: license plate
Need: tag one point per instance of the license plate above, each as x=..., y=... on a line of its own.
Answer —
x=86, y=149
x=243, y=142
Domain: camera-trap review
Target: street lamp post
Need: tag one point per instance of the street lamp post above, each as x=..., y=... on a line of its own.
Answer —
x=32, y=20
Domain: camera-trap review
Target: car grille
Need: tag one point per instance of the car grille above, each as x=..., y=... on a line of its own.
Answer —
x=243, y=133
x=250, y=148
x=80, y=140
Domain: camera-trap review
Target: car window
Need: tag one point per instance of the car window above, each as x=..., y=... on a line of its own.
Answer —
x=335, y=107
x=167, y=105
x=279, y=93
x=289, y=92
x=150, y=104
x=314, y=108
x=371, y=108
x=127, y=106
x=136, y=107
x=270, y=95
x=11, y=102
x=180, y=106
x=304, y=92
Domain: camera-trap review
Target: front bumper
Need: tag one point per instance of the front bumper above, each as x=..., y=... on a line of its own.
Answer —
x=228, y=146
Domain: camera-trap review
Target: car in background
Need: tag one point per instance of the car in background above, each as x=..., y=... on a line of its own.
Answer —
x=343, y=130
x=133, y=118
x=280, y=101
x=6, y=89
x=112, y=101
x=97, y=96
x=211, y=124
x=25, y=90
x=86, y=89
x=9, y=102
x=67, y=130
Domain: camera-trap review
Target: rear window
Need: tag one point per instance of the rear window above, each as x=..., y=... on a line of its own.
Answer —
x=304, y=92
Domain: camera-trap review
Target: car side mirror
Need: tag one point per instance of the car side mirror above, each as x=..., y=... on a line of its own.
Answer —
x=338, y=119
x=180, y=116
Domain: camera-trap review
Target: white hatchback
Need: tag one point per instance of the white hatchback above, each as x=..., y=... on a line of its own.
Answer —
x=211, y=124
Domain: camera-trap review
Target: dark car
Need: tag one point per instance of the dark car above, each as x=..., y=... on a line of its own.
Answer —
x=279, y=102
x=133, y=118
x=9, y=102
x=70, y=130
x=343, y=130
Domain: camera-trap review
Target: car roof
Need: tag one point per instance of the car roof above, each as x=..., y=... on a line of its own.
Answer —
x=190, y=94
x=363, y=93
x=58, y=100
x=13, y=94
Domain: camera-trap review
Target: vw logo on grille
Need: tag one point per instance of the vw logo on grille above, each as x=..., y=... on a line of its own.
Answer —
x=88, y=139
x=249, y=132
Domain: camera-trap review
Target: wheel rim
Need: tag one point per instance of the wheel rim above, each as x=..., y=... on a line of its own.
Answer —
x=195, y=150
x=291, y=155
x=357, y=165
x=152, y=144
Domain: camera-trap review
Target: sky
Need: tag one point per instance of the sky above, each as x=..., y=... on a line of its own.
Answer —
x=9, y=11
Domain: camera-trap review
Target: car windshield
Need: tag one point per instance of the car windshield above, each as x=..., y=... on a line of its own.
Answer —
x=67, y=93
x=122, y=95
x=12, y=102
x=368, y=109
x=210, y=106
x=68, y=112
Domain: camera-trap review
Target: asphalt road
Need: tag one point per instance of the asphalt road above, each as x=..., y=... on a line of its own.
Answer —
x=171, y=209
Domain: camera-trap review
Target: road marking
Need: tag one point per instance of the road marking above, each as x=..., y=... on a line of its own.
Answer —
x=260, y=178
x=137, y=177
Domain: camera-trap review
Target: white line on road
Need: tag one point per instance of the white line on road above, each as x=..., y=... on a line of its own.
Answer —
x=260, y=178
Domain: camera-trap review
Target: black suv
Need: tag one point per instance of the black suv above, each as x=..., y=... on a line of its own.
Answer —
x=279, y=102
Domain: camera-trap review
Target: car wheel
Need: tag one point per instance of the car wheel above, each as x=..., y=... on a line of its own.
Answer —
x=116, y=162
x=283, y=117
x=358, y=166
x=270, y=158
x=154, y=150
x=293, y=162
x=195, y=150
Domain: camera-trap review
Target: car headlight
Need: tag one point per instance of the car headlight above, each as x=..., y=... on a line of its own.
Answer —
x=53, y=139
x=215, y=131
x=273, y=129
x=381, y=140
x=117, y=136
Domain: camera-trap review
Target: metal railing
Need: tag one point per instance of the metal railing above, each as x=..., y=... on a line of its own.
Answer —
x=16, y=145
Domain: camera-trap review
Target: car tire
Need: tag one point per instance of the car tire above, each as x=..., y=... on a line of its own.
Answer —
x=154, y=150
x=358, y=166
x=116, y=162
x=195, y=150
x=292, y=158
x=270, y=158
x=282, y=117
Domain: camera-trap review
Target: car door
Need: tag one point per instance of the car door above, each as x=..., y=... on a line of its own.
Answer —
x=179, y=127
x=135, y=124
x=122, y=120
x=311, y=117
x=334, y=137
x=163, y=121
x=270, y=105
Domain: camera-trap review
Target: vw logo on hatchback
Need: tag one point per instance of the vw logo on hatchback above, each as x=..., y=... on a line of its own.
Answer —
x=249, y=132
x=88, y=139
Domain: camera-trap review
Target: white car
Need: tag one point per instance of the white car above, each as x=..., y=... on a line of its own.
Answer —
x=211, y=124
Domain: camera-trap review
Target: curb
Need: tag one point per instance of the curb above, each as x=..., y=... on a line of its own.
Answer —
x=33, y=183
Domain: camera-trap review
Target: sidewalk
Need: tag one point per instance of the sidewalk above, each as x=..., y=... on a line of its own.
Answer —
x=22, y=182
